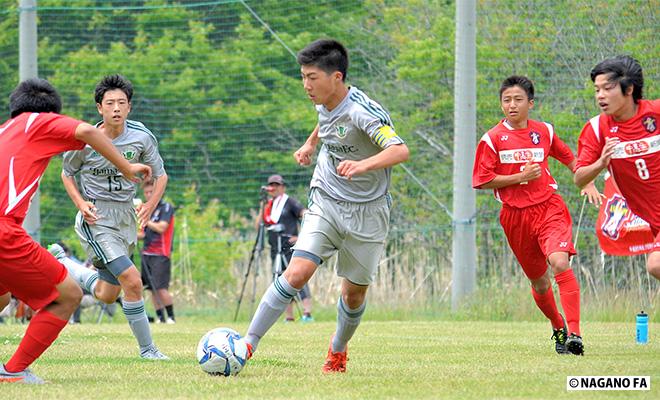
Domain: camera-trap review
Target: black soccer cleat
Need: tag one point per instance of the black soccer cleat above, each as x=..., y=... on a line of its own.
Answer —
x=574, y=344
x=560, y=336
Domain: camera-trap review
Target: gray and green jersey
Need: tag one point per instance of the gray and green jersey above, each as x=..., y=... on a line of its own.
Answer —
x=100, y=179
x=356, y=129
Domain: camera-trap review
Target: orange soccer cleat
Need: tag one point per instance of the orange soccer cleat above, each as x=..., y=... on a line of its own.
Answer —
x=335, y=362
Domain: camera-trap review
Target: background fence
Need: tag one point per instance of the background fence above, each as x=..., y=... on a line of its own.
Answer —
x=217, y=82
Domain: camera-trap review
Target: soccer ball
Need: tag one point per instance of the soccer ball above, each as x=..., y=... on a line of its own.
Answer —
x=222, y=351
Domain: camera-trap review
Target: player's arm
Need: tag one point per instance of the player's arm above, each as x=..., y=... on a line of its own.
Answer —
x=95, y=138
x=588, y=173
x=529, y=172
x=304, y=154
x=590, y=190
x=390, y=156
x=87, y=208
x=145, y=211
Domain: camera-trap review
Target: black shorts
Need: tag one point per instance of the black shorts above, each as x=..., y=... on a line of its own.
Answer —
x=156, y=271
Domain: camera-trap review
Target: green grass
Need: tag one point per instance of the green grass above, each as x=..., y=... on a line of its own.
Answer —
x=388, y=359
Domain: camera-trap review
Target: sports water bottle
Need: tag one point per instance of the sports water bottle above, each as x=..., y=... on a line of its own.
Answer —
x=642, y=328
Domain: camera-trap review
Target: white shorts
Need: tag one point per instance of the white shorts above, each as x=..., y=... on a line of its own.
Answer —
x=355, y=231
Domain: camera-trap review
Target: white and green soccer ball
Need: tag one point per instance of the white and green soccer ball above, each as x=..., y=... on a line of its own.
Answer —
x=222, y=351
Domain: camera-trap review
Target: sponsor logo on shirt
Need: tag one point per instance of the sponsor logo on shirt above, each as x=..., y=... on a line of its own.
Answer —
x=649, y=124
x=504, y=138
x=636, y=148
x=341, y=148
x=517, y=156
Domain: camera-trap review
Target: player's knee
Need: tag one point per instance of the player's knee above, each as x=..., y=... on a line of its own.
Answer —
x=132, y=287
x=354, y=299
x=70, y=293
x=541, y=285
x=653, y=265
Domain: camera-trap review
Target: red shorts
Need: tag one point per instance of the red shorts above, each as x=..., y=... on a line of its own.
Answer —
x=27, y=270
x=537, y=231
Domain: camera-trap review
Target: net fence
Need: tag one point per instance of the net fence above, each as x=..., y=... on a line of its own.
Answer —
x=217, y=83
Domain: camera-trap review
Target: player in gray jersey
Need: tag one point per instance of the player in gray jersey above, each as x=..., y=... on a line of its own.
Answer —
x=349, y=206
x=106, y=220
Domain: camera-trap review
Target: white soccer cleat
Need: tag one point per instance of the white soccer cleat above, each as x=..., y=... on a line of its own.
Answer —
x=151, y=352
x=26, y=377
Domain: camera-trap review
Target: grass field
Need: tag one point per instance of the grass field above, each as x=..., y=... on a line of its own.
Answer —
x=397, y=359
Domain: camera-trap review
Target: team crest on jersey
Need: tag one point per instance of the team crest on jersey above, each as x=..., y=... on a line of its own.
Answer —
x=128, y=154
x=649, y=124
x=535, y=136
x=341, y=131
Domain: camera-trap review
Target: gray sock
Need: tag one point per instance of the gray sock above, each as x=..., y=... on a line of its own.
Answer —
x=86, y=278
x=272, y=305
x=347, y=322
x=137, y=320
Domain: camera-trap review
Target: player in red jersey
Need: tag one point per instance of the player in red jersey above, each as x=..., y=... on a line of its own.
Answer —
x=625, y=139
x=35, y=133
x=512, y=159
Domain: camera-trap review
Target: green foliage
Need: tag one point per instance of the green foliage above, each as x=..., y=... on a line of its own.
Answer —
x=211, y=246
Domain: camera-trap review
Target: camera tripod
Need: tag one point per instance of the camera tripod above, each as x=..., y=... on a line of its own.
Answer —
x=255, y=259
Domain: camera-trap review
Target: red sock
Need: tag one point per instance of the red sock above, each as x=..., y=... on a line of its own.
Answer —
x=40, y=334
x=546, y=303
x=569, y=294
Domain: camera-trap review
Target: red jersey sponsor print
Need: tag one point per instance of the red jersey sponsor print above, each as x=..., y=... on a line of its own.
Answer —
x=635, y=165
x=505, y=151
x=28, y=142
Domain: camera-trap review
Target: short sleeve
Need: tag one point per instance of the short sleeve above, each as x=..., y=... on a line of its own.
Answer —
x=590, y=146
x=296, y=208
x=73, y=161
x=372, y=119
x=151, y=156
x=59, y=131
x=166, y=213
x=485, y=162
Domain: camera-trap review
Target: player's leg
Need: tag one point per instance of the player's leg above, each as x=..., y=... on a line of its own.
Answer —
x=555, y=237
x=653, y=264
x=653, y=261
x=317, y=241
x=4, y=299
x=39, y=280
x=519, y=228
x=133, y=305
x=279, y=295
x=162, y=273
x=306, y=300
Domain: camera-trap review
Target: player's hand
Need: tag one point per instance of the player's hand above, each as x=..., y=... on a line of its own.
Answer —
x=144, y=212
x=608, y=151
x=530, y=172
x=136, y=170
x=88, y=211
x=350, y=168
x=304, y=154
x=593, y=195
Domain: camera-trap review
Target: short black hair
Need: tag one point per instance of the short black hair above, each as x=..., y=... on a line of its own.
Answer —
x=113, y=82
x=327, y=54
x=518, y=80
x=624, y=70
x=34, y=95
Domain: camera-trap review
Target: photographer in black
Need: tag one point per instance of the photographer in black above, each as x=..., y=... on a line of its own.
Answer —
x=281, y=216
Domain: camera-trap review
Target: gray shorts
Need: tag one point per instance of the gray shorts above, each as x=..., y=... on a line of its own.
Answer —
x=113, y=235
x=355, y=231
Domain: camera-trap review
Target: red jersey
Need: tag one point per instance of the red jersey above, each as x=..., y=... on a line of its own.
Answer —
x=504, y=150
x=28, y=142
x=635, y=164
